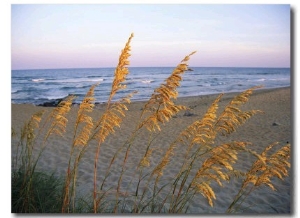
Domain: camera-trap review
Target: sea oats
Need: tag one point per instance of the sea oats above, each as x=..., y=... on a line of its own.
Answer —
x=158, y=170
x=263, y=170
x=145, y=162
x=111, y=117
x=58, y=117
x=202, y=131
x=161, y=101
x=216, y=167
x=85, y=107
x=205, y=189
x=232, y=116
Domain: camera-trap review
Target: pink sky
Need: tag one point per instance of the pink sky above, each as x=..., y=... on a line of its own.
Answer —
x=84, y=36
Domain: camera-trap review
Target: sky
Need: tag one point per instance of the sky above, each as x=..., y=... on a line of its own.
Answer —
x=92, y=35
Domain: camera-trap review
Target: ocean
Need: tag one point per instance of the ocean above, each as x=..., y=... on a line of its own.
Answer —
x=40, y=86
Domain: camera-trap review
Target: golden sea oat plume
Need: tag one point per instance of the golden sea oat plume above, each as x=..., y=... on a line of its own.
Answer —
x=58, y=116
x=86, y=106
x=268, y=166
x=160, y=105
x=233, y=116
x=215, y=168
x=112, y=117
x=121, y=70
x=31, y=125
x=158, y=170
x=202, y=131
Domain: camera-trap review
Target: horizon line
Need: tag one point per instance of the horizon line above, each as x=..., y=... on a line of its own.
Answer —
x=69, y=68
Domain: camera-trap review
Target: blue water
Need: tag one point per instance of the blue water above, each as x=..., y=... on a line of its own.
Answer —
x=39, y=86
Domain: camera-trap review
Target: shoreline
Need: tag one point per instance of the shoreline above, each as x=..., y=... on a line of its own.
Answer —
x=54, y=102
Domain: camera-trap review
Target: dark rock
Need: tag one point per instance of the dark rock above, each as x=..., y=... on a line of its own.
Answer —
x=275, y=124
x=52, y=103
x=188, y=114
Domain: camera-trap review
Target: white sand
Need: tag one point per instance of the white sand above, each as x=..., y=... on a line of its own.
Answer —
x=260, y=130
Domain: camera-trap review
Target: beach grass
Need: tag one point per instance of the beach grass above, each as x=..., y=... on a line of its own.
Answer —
x=206, y=162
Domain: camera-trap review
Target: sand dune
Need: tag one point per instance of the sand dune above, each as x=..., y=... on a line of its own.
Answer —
x=261, y=130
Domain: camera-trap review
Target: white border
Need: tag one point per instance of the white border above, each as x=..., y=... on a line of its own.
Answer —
x=5, y=70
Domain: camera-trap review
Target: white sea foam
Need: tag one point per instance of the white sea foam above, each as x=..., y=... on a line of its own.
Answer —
x=38, y=80
x=148, y=81
x=277, y=79
x=78, y=80
x=54, y=97
x=262, y=79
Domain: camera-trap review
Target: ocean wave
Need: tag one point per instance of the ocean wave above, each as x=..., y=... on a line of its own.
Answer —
x=37, y=80
x=78, y=80
x=33, y=85
x=15, y=91
x=260, y=80
x=28, y=89
x=50, y=97
x=257, y=80
x=147, y=81
x=278, y=79
x=135, y=81
x=92, y=76
x=81, y=86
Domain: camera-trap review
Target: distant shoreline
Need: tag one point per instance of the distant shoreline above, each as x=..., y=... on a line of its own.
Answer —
x=55, y=102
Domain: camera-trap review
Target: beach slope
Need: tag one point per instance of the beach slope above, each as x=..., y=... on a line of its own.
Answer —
x=274, y=125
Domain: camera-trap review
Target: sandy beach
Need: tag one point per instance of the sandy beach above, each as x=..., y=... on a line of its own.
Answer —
x=274, y=125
